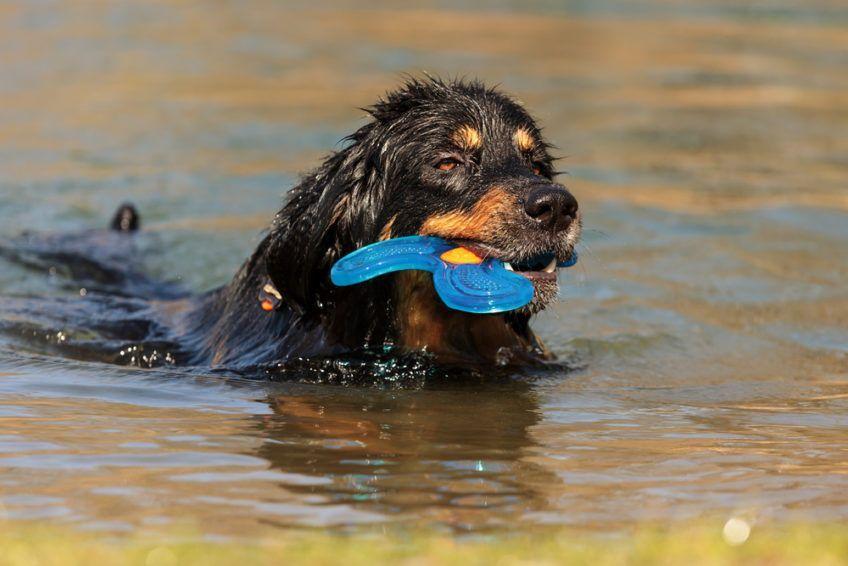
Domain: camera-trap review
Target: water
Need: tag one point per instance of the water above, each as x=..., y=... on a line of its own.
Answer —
x=705, y=325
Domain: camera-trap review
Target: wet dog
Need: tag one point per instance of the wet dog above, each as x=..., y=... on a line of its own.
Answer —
x=454, y=159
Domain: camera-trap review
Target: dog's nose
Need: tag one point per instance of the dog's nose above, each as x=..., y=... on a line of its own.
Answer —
x=553, y=207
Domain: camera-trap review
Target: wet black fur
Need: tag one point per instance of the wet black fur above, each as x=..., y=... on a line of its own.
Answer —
x=385, y=170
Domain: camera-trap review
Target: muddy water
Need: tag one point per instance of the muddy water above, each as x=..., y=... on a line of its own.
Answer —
x=707, y=323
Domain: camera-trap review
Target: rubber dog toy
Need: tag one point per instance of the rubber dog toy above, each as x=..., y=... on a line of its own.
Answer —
x=463, y=280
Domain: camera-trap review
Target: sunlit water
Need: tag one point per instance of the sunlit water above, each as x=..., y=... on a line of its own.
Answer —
x=707, y=321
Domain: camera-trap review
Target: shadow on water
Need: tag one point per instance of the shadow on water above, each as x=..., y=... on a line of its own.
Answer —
x=453, y=456
x=136, y=446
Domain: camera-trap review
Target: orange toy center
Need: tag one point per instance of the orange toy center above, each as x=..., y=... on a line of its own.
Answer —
x=461, y=255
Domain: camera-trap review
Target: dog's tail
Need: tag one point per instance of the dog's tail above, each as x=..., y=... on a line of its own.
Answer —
x=126, y=219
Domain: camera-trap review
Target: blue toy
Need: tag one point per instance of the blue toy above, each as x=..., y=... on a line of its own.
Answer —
x=464, y=281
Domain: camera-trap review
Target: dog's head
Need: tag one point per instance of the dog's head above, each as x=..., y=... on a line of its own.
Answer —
x=450, y=159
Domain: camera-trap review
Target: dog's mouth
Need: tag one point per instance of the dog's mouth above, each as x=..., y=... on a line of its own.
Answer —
x=539, y=264
x=539, y=267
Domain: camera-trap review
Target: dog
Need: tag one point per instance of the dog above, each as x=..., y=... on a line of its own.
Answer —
x=448, y=158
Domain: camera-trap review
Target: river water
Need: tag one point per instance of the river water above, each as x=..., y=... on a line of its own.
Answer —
x=706, y=325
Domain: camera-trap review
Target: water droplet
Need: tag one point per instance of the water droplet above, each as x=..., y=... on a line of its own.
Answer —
x=736, y=531
x=503, y=356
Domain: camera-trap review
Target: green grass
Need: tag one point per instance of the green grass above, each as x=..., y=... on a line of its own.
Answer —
x=685, y=545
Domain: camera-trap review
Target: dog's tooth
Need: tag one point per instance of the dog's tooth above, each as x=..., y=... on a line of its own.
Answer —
x=508, y=266
x=551, y=267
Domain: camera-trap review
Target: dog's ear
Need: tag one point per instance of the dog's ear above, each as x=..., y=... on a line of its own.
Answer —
x=333, y=211
x=342, y=205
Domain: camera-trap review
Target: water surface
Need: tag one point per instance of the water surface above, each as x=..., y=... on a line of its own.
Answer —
x=706, y=325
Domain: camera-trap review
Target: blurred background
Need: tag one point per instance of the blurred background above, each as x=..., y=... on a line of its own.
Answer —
x=707, y=323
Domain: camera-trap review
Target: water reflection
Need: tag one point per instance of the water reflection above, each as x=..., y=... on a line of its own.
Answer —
x=452, y=456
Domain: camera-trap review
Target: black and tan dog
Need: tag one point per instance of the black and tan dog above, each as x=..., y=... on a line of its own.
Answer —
x=451, y=159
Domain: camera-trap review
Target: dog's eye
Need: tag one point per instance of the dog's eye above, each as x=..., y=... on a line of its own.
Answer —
x=447, y=164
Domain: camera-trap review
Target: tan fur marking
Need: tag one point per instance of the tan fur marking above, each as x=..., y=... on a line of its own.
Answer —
x=425, y=323
x=476, y=224
x=386, y=232
x=523, y=140
x=468, y=138
x=421, y=324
